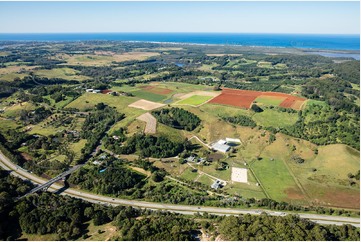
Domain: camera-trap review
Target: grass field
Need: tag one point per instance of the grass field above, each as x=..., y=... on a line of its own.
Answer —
x=6, y=124
x=14, y=110
x=64, y=73
x=274, y=177
x=101, y=60
x=328, y=172
x=89, y=100
x=211, y=170
x=205, y=180
x=273, y=118
x=11, y=76
x=188, y=174
x=194, y=100
x=149, y=96
x=269, y=100
x=108, y=231
x=220, y=110
x=173, y=134
x=76, y=147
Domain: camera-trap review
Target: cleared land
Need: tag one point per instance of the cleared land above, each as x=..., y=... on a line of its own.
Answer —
x=237, y=98
x=245, y=98
x=151, y=123
x=239, y=175
x=293, y=102
x=145, y=105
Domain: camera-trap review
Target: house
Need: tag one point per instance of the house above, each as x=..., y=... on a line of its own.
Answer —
x=90, y=90
x=217, y=184
x=222, y=147
x=97, y=91
x=191, y=158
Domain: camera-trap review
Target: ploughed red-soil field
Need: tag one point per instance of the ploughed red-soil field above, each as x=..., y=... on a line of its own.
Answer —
x=245, y=98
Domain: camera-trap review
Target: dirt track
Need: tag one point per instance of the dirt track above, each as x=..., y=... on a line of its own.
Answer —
x=151, y=123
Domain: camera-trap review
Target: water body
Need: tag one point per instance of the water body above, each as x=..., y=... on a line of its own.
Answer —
x=306, y=41
x=336, y=55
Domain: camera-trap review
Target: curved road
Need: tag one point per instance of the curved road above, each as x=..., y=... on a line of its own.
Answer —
x=6, y=164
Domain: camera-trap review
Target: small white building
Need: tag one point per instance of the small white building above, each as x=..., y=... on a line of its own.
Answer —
x=90, y=90
x=217, y=184
x=232, y=140
x=222, y=142
x=96, y=91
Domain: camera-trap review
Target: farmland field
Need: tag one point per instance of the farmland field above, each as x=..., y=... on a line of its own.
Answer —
x=238, y=98
x=194, y=100
x=269, y=100
x=245, y=98
x=301, y=156
x=149, y=96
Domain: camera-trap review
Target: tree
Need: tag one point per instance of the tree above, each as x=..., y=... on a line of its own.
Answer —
x=256, y=108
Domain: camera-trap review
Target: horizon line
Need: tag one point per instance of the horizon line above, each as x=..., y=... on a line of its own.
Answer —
x=156, y=32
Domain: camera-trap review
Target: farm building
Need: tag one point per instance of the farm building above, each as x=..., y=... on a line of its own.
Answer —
x=191, y=158
x=89, y=90
x=97, y=91
x=217, y=184
x=232, y=140
x=221, y=146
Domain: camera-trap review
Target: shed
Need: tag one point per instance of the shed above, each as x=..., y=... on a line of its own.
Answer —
x=232, y=140
x=220, y=147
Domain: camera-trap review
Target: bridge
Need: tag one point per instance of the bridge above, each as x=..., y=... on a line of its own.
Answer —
x=46, y=185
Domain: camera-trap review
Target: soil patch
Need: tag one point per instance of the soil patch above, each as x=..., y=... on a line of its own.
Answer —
x=151, y=123
x=145, y=105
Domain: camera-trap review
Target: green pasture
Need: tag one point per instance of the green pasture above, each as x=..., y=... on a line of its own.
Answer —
x=194, y=100
x=274, y=177
x=63, y=73
x=268, y=100
x=273, y=118
x=149, y=96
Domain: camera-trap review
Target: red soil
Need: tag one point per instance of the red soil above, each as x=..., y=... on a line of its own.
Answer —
x=245, y=98
x=291, y=101
x=238, y=98
x=106, y=91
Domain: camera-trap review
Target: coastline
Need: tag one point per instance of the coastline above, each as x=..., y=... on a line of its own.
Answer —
x=304, y=42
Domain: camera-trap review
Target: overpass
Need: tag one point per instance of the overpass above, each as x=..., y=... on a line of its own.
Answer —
x=46, y=185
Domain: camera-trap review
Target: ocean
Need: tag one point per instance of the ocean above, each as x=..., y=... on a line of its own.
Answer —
x=304, y=41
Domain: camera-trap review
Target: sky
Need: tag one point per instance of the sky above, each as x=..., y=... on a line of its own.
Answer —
x=230, y=17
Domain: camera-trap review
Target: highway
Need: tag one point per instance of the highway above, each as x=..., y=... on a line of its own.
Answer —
x=6, y=164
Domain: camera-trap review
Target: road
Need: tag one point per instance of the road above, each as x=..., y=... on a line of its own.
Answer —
x=6, y=164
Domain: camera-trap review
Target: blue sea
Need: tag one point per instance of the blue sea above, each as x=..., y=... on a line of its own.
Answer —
x=304, y=41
